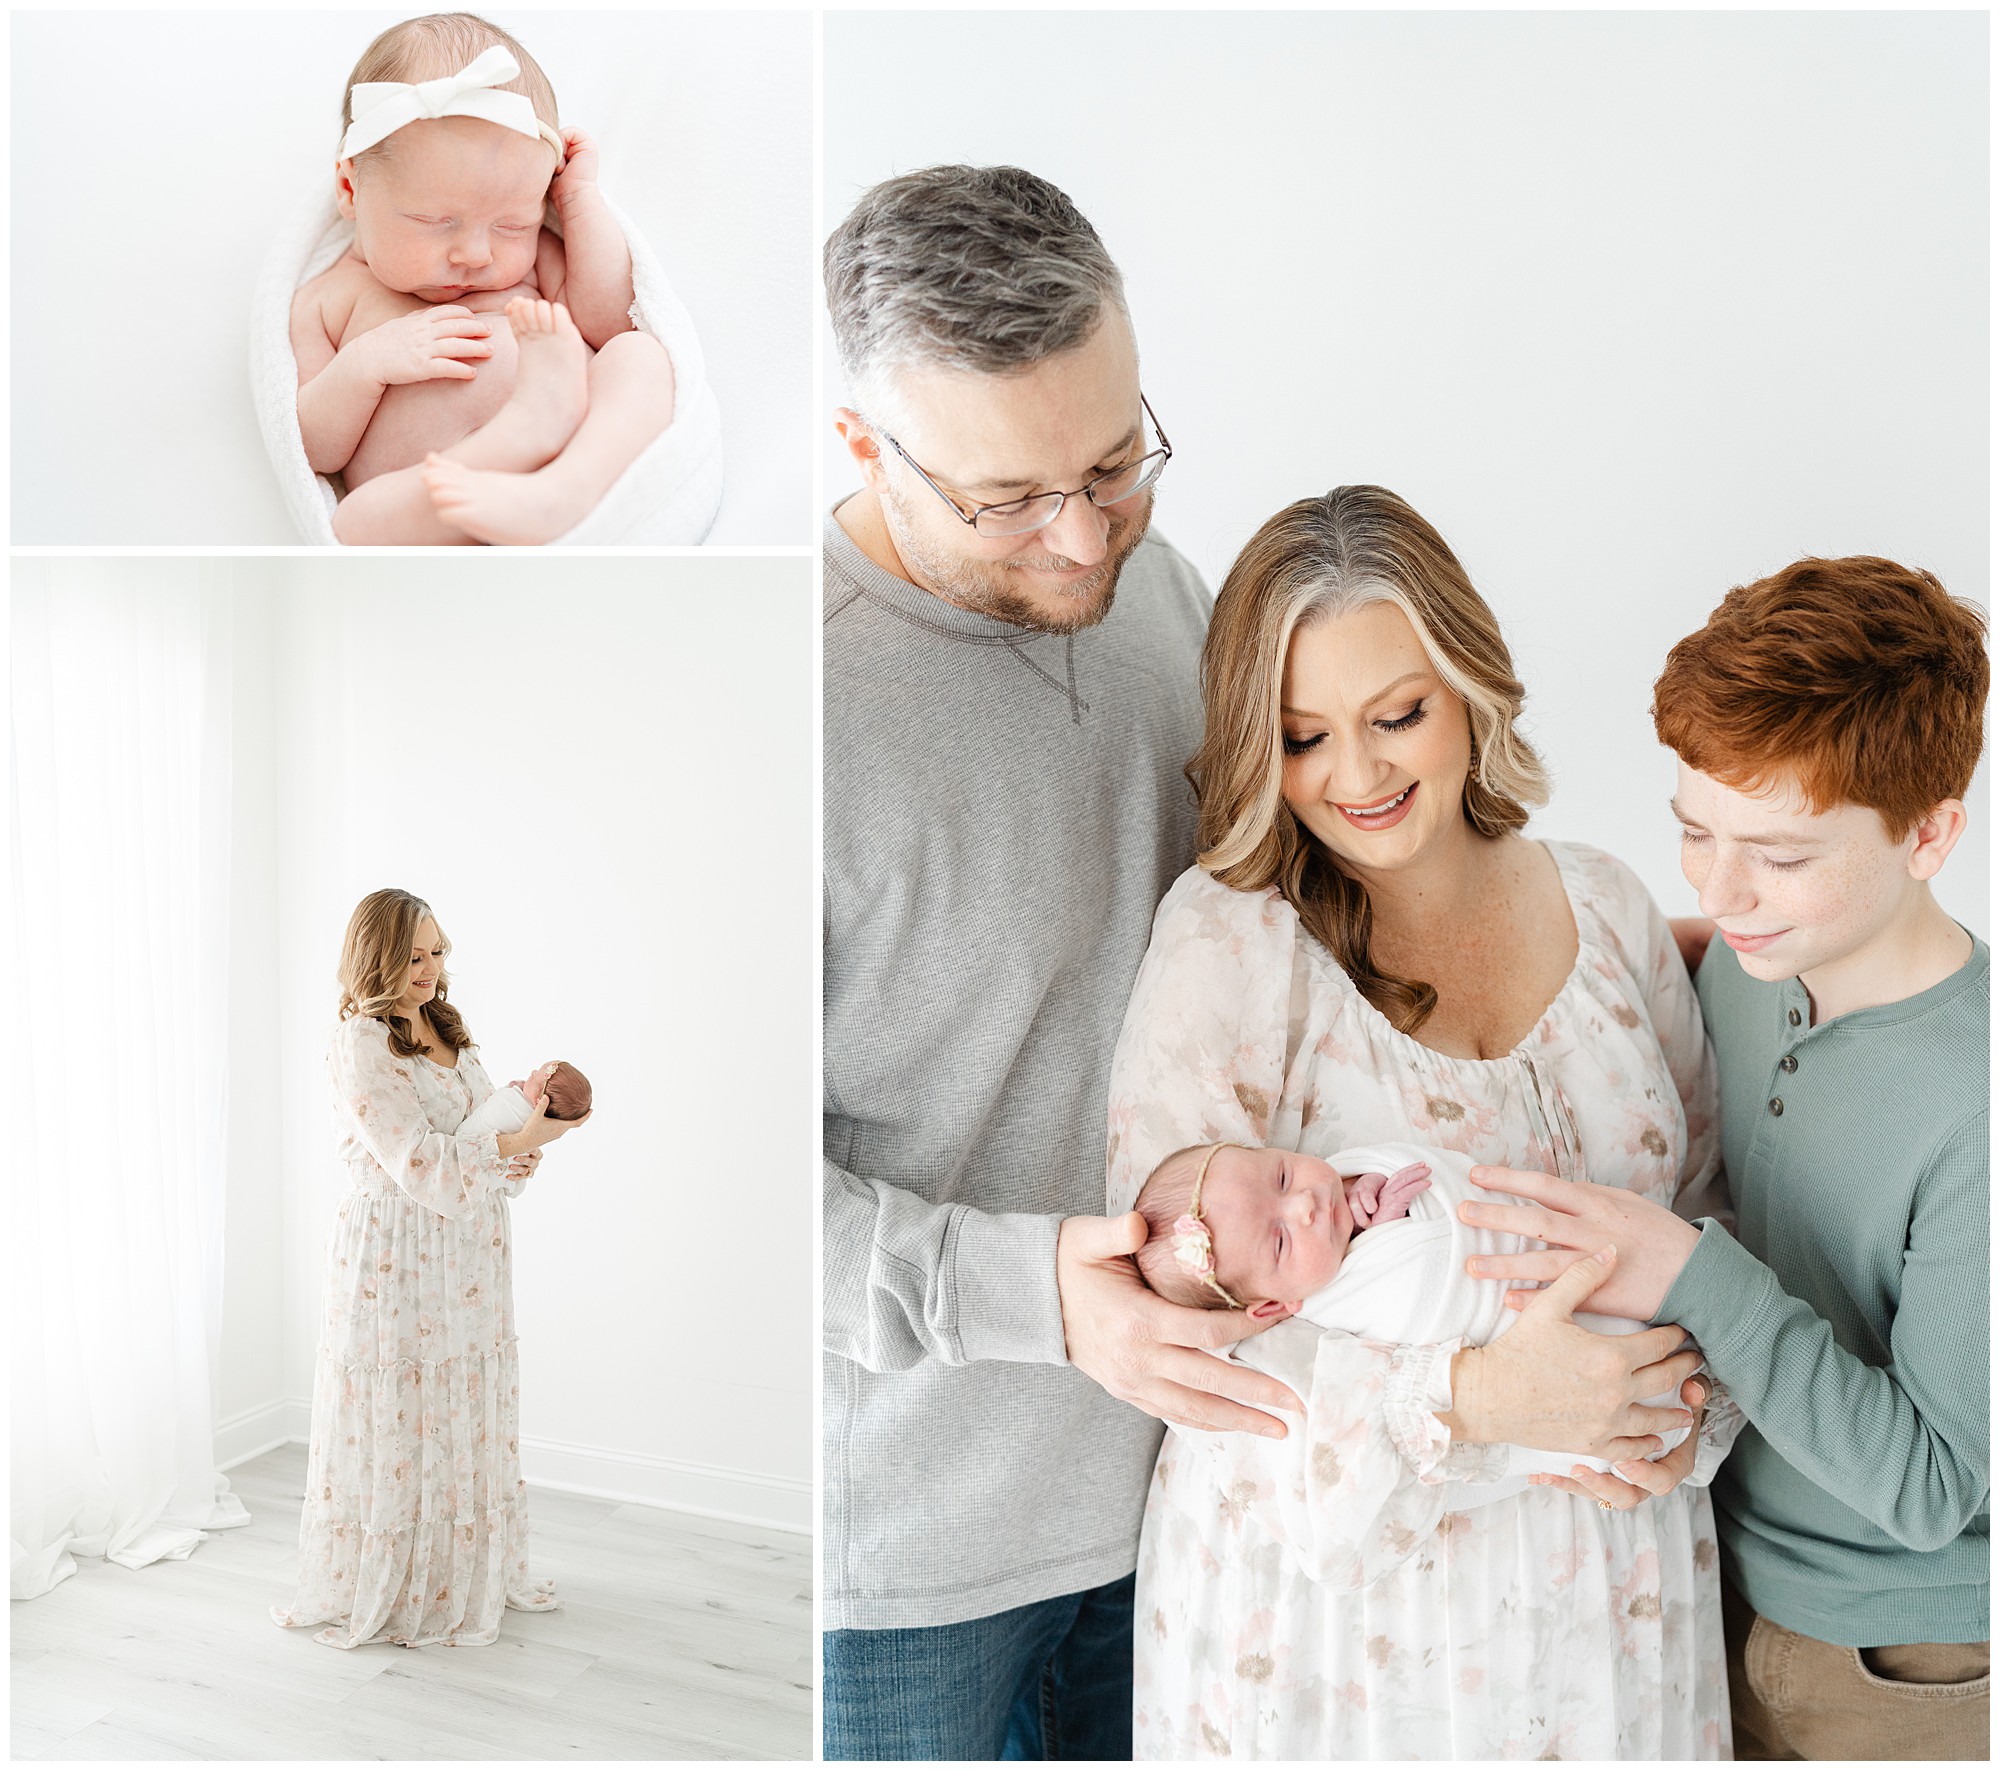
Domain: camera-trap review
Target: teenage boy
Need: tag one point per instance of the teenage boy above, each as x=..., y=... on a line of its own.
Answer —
x=1827, y=721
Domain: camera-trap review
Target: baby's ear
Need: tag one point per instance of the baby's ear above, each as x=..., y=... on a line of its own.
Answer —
x=343, y=188
x=1271, y=1310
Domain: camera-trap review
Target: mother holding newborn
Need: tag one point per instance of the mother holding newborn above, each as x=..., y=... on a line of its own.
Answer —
x=1369, y=951
x=415, y=1528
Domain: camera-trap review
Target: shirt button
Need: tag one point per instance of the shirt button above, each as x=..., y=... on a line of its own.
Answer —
x=1788, y=1063
x=1792, y=1015
x=1777, y=1107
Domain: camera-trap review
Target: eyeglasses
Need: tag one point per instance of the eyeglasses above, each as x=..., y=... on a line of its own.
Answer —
x=1023, y=516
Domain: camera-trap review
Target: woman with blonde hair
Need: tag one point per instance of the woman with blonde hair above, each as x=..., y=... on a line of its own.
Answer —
x=416, y=1521
x=1370, y=951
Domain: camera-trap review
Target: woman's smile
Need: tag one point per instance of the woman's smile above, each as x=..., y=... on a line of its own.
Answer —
x=1382, y=814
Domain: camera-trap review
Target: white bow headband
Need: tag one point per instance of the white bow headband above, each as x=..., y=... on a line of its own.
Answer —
x=381, y=107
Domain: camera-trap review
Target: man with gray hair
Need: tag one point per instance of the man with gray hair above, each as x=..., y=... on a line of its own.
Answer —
x=1004, y=807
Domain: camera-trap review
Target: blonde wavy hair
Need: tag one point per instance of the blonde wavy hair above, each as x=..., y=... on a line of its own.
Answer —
x=1316, y=560
x=375, y=964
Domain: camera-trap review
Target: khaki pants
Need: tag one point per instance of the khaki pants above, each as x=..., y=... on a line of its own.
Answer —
x=1791, y=1697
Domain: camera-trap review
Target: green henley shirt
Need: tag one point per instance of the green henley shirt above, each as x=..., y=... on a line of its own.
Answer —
x=1848, y=1312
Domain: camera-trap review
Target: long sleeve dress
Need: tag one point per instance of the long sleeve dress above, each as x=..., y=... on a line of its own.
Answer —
x=1364, y=1588
x=415, y=1528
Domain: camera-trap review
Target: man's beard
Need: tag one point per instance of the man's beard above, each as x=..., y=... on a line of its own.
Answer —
x=994, y=587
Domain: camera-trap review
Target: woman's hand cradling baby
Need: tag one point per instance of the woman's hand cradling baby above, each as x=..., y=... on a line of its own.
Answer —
x=1642, y=1479
x=540, y=1129
x=432, y=344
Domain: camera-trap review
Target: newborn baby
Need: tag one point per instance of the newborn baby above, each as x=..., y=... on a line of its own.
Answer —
x=510, y=1108
x=1277, y=1233
x=470, y=370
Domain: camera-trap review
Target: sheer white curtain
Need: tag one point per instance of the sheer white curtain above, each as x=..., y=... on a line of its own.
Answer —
x=120, y=795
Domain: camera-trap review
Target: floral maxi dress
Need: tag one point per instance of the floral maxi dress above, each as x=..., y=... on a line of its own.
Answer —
x=1364, y=1588
x=415, y=1528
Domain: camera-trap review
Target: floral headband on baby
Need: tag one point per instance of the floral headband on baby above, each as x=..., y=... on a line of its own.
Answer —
x=381, y=107
x=1193, y=1249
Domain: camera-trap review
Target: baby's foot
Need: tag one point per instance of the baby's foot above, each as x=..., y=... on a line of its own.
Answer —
x=551, y=390
x=504, y=509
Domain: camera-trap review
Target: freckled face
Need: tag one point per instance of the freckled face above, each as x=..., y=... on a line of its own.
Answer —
x=426, y=964
x=1376, y=747
x=1279, y=1223
x=1792, y=891
x=453, y=208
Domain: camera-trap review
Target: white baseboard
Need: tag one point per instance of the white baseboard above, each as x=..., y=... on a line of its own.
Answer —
x=258, y=1430
x=744, y=1497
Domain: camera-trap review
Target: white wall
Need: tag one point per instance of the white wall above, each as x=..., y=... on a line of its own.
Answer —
x=132, y=270
x=603, y=783
x=1635, y=307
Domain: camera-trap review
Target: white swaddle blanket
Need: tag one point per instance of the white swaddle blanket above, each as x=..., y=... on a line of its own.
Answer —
x=504, y=1110
x=668, y=497
x=1406, y=1281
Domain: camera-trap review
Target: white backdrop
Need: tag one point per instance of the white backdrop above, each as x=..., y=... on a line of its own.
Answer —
x=610, y=807
x=1635, y=307
x=156, y=154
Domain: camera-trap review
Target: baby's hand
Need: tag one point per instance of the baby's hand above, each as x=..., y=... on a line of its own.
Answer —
x=1376, y=1199
x=579, y=167
x=429, y=345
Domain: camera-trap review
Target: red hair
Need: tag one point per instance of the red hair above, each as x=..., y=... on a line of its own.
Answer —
x=1863, y=679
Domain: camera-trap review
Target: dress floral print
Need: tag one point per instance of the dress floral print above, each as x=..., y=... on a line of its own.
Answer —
x=1364, y=1588
x=416, y=1518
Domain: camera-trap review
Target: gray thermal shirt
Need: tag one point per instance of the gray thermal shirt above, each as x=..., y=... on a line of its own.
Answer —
x=1003, y=811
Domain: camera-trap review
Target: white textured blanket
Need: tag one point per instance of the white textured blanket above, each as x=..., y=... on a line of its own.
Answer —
x=1406, y=1280
x=667, y=498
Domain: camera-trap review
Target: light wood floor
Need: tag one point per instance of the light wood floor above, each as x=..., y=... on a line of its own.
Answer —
x=680, y=1638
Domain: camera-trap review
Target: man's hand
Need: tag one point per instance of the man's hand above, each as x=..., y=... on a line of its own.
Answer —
x=1143, y=1349
x=1553, y=1385
x=1643, y=1479
x=432, y=344
x=1576, y=1217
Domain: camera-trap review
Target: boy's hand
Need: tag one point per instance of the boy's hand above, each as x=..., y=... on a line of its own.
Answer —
x=1572, y=1218
x=579, y=168
x=432, y=344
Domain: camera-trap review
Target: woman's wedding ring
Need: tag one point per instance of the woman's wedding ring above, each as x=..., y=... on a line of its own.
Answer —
x=1605, y=1504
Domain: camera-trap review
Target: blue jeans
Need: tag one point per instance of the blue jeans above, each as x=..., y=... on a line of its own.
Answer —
x=1052, y=1680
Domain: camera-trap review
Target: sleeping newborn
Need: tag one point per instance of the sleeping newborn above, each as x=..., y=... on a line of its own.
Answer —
x=1278, y=1233
x=469, y=364
x=510, y=1108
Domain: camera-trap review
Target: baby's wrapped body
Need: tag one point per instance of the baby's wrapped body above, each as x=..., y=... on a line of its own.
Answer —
x=1405, y=1281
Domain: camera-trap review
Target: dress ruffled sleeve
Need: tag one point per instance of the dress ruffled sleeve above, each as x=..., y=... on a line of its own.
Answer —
x=1209, y=1038
x=376, y=1095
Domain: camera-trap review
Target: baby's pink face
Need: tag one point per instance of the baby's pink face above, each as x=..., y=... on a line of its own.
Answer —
x=454, y=208
x=1278, y=1221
